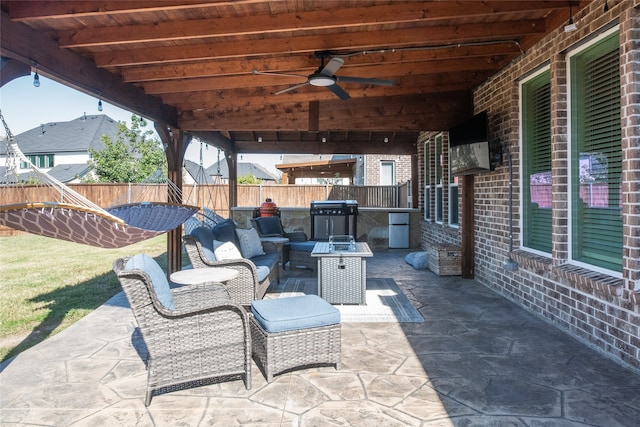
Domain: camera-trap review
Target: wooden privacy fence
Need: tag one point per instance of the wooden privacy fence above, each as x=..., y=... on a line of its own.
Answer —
x=216, y=197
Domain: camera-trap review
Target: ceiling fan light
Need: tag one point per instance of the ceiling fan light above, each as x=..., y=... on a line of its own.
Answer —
x=322, y=80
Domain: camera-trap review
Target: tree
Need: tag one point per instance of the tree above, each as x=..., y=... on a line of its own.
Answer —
x=248, y=179
x=133, y=157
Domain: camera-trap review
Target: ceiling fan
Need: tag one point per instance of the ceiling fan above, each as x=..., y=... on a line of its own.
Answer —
x=325, y=76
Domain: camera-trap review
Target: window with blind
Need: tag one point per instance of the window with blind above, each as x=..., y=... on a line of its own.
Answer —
x=596, y=154
x=427, y=182
x=438, y=171
x=536, y=162
x=453, y=200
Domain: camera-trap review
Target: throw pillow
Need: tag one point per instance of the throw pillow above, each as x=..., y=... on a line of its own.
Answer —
x=226, y=231
x=225, y=250
x=250, y=244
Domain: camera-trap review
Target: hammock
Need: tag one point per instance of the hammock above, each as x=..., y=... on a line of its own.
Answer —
x=69, y=216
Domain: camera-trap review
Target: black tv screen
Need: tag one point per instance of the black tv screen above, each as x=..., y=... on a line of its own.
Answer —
x=469, y=146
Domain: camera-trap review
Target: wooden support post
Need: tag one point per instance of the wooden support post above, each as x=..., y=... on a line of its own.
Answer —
x=172, y=139
x=233, y=179
x=468, y=228
x=414, y=181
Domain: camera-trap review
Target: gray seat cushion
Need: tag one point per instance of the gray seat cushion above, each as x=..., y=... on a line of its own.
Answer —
x=294, y=313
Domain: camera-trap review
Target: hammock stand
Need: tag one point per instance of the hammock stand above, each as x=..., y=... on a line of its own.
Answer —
x=67, y=215
x=206, y=215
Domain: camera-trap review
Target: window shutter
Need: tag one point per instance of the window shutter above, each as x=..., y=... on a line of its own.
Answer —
x=536, y=117
x=597, y=156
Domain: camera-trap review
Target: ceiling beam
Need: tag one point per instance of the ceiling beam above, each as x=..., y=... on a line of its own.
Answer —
x=31, y=47
x=328, y=147
x=12, y=69
x=415, y=112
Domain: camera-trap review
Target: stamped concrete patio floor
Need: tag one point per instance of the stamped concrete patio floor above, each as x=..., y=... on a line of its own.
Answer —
x=478, y=360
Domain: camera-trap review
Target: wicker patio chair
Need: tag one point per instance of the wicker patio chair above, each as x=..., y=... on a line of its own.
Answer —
x=245, y=288
x=297, y=252
x=202, y=339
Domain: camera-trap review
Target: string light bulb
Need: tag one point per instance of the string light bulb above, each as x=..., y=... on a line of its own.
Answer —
x=36, y=78
x=99, y=104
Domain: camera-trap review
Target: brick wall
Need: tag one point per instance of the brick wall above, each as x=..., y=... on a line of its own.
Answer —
x=601, y=310
x=372, y=168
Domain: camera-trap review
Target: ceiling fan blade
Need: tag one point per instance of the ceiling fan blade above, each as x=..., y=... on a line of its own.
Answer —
x=268, y=73
x=333, y=66
x=340, y=93
x=294, y=87
x=366, y=81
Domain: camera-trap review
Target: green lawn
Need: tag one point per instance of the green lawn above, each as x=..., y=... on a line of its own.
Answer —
x=47, y=285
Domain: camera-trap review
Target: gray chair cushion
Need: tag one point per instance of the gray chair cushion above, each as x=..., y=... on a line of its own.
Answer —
x=269, y=226
x=206, y=237
x=158, y=277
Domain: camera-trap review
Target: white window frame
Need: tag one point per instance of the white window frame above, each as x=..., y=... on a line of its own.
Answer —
x=570, y=138
x=388, y=163
x=439, y=208
x=521, y=157
x=454, y=220
x=427, y=182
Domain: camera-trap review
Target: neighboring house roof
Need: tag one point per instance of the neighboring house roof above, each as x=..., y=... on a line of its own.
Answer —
x=66, y=173
x=244, y=169
x=57, y=138
x=62, y=137
x=198, y=173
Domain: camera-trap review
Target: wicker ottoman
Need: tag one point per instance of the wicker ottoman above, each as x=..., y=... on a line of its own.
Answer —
x=296, y=332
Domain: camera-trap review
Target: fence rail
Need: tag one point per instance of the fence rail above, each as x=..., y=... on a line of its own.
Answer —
x=217, y=196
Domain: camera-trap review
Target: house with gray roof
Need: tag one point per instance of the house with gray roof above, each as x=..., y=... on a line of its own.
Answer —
x=61, y=148
x=218, y=173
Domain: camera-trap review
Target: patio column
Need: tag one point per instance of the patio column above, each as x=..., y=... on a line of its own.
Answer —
x=173, y=141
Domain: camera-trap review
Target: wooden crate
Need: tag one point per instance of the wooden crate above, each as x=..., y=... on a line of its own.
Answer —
x=445, y=259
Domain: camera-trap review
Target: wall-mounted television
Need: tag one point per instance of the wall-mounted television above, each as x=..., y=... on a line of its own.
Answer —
x=469, y=151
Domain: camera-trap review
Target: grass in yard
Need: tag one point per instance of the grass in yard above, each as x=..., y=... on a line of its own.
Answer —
x=48, y=284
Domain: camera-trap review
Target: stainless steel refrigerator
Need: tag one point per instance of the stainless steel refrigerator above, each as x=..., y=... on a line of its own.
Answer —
x=398, y=230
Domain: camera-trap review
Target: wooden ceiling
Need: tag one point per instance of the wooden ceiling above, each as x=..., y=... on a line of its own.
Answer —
x=192, y=64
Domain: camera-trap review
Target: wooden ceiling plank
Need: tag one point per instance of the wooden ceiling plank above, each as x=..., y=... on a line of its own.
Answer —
x=387, y=71
x=242, y=99
x=39, y=9
x=249, y=25
x=354, y=41
x=343, y=17
x=305, y=64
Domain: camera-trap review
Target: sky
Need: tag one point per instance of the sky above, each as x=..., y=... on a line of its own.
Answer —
x=25, y=107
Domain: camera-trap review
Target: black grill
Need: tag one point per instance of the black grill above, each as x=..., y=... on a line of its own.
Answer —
x=333, y=217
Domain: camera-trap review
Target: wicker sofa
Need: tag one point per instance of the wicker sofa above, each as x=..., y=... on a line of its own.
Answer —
x=255, y=274
x=194, y=335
